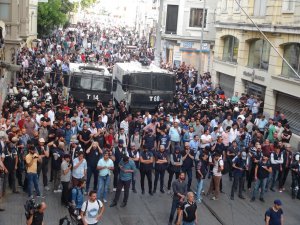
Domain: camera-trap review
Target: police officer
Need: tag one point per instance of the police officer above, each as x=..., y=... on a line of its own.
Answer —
x=175, y=166
x=118, y=152
x=161, y=164
x=239, y=167
x=134, y=155
x=146, y=165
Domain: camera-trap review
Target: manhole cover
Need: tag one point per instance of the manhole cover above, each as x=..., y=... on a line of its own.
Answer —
x=131, y=220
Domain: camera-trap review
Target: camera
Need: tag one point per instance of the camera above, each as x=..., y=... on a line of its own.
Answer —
x=30, y=207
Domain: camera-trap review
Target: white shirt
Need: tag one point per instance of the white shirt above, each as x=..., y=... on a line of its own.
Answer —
x=124, y=124
x=205, y=138
x=104, y=119
x=232, y=135
x=92, y=211
x=217, y=164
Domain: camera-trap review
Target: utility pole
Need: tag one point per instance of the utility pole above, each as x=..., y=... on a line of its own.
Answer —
x=158, y=35
x=201, y=41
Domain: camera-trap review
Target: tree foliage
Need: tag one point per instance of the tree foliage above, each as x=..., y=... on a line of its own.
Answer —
x=55, y=13
x=87, y=3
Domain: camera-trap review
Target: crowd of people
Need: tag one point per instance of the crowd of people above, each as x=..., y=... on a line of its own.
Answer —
x=48, y=139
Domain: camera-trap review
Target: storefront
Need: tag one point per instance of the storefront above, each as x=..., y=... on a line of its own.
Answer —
x=290, y=106
x=226, y=82
x=255, y=89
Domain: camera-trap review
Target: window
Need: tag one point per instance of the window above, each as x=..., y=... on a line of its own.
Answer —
x=224, y=6
x=259, y=53
x=171, y=21
x=5, y=10
x=140, y=81
x=260, y=8
x=196, y=16
x=162, y=82
x=79, y=82
x=231, y=47
x=292, y=55
x=236, y=7
x=101, y=84
x=288, y=6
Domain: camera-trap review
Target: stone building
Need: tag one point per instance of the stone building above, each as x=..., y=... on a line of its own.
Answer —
x=245, y=62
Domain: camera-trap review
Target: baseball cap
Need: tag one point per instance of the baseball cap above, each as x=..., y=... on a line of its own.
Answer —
x=277, y=202
x=121, y=141
x=42, y=140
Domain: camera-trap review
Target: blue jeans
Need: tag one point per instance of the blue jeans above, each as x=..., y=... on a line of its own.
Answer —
x=274, y=177
x=33, y=178
x=189, y=173
x=103, y=184
x=260, y=183
x=188, y=223
x=199, y=188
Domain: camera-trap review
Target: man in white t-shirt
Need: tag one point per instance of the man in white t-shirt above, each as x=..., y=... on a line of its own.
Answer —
x=92, y=210
x=217, y=176
x=105, y=166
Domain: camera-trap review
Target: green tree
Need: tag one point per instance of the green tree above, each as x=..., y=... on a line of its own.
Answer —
x=87, y=3
x=50, y=16
x=55, y=13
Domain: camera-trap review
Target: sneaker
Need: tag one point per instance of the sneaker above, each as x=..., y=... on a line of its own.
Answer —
x=104, y=200
x=214, y=198
x=55, y=191
x=59, y=190
x=169, y=192
x=199, y=201
x=114, y=189
x=46, y=188
x=261, y=199
x=272, y=189
x=231, y=198
x=122, y=189
x=280, y=190
x=252, y=199
x=134, y=191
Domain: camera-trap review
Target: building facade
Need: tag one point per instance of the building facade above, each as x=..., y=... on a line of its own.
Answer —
x=18, y=22
x=246, y=62
x=182, y=31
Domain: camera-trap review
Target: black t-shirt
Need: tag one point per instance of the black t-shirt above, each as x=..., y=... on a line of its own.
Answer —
x=93, y=157
x=261, y=172
x=85, y=135
x=188, y=162
x=149, y=141
x=275, y=217
x=189, y=211
x=37, y=218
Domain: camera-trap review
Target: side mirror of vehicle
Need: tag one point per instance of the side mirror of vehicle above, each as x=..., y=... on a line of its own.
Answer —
x=114, y=85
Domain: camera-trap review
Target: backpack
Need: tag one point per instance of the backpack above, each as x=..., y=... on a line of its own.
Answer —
x=86, y=205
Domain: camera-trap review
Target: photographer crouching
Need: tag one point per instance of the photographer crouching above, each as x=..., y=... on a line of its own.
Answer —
x=36, y=214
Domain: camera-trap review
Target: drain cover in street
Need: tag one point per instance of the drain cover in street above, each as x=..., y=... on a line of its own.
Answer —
x=131, y=220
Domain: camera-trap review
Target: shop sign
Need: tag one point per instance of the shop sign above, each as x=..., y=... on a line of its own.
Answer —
x=253, y=76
